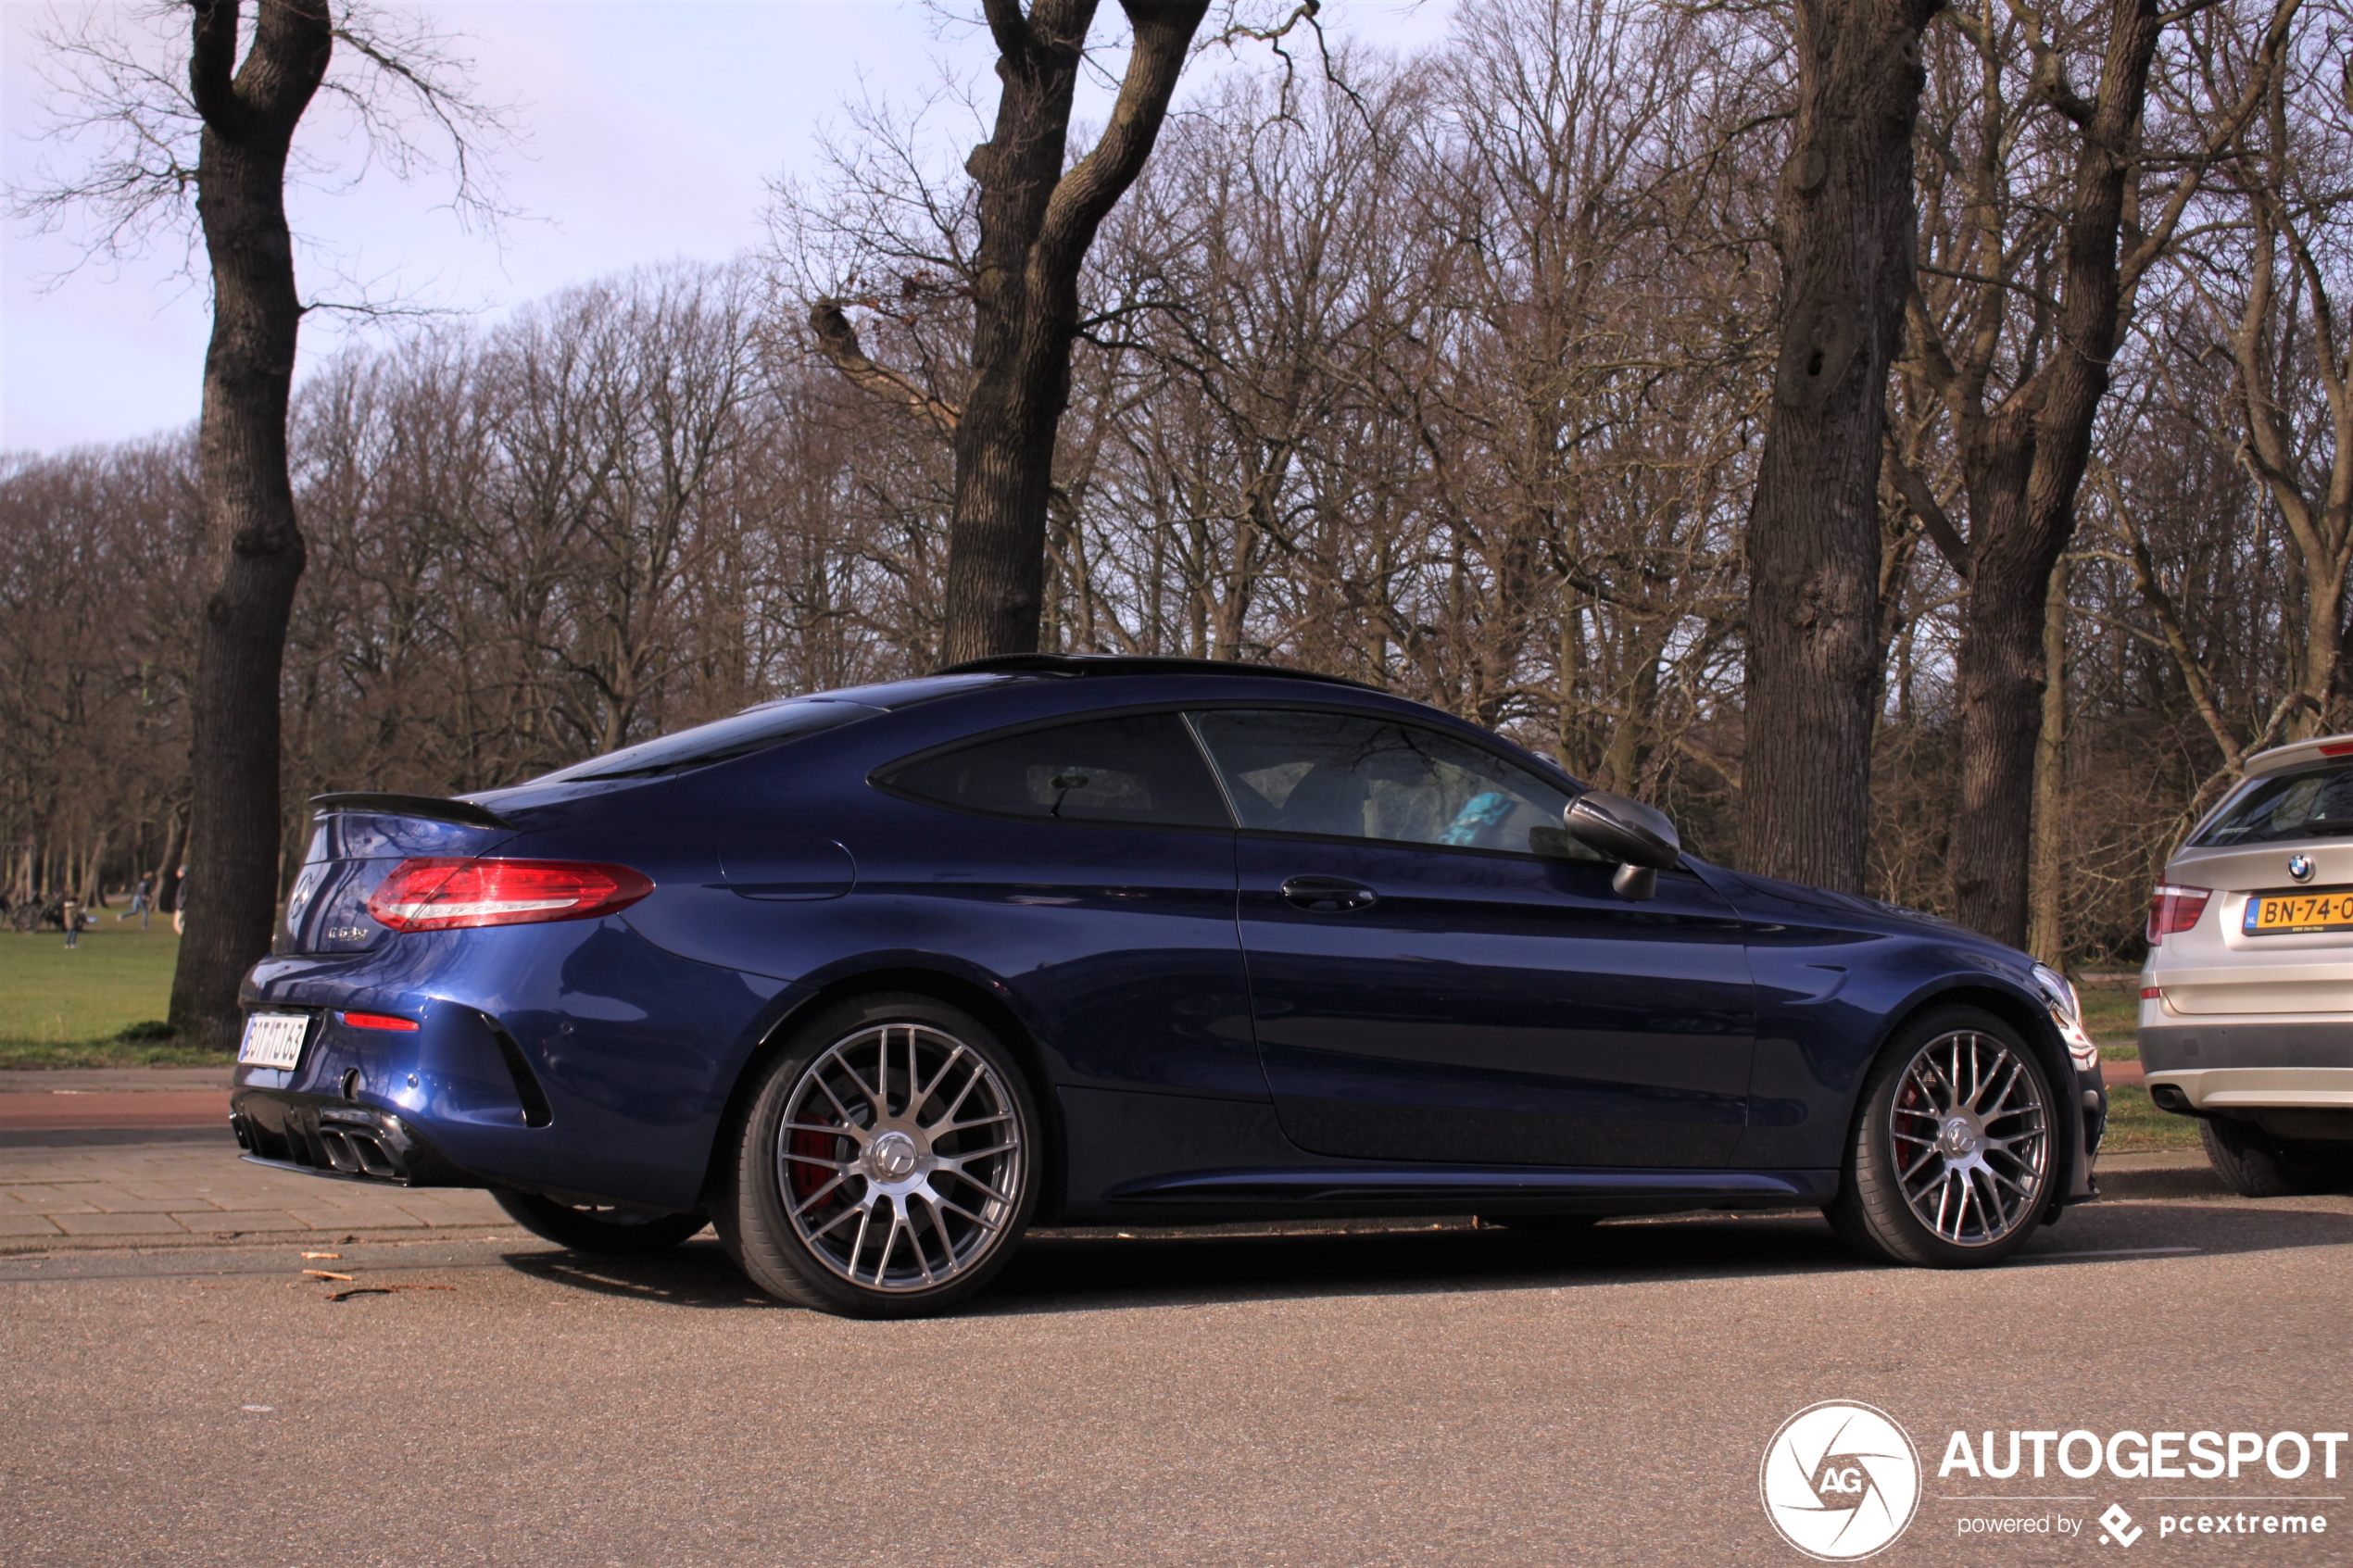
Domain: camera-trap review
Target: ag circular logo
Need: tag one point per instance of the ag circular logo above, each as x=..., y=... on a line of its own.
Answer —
x=1840, y=1480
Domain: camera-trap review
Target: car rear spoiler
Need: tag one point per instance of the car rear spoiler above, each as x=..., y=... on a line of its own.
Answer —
x=430, y=809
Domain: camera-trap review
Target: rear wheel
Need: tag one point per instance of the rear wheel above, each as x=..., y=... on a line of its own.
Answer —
x=607, y=1229
x=888, y=1164
x=2255, y=1164
x=1953, y=1161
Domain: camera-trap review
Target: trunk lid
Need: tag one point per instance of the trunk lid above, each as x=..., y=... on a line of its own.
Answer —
x=356, y=840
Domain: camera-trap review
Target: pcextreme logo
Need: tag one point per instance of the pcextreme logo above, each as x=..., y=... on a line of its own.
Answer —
x=1840, y=1480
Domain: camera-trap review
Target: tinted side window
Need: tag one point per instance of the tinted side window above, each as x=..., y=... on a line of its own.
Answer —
x=2305, y=803
x=1143, y=767
x=1358, y=777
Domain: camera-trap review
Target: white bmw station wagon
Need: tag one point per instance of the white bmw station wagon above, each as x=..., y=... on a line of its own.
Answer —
x=2247, y=999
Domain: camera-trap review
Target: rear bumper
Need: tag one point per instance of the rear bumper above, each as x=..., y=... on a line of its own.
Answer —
x=2239, y=1042
x=332, y=1137
x=2214, y=1090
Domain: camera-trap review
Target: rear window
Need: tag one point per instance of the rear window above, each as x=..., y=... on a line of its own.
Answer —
x=1140, y=769
x=2303, y=803
x=754, y=730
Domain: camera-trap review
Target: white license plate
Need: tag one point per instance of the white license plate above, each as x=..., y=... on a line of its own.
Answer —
x=273, y=1039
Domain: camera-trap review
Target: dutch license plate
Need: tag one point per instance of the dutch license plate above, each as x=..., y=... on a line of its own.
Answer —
x=273, y=1039
x=2284, y=914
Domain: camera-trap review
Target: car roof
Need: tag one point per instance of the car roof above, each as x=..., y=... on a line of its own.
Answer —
x=1012, y=668
x=1067, y=665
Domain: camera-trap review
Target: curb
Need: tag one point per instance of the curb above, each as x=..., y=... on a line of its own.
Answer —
x=180, y=1241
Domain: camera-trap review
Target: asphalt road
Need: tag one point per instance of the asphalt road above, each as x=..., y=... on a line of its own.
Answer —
x=1417, y=1396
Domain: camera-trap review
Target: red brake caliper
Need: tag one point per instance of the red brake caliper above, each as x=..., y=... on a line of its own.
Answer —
x=806, y=1177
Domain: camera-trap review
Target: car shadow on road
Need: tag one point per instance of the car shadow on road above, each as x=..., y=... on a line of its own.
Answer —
x=699, y=1273
x=1055, y=1273
x=1093, y=1271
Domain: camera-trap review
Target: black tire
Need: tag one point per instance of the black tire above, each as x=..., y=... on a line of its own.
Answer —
x=604, y=1229
x=799, y=1204
x=2006, y=1168
x=2255, y=1164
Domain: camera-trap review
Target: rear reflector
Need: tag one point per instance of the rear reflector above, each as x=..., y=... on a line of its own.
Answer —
x=2176, y=909
x=446, y=893
x=377, y=1021
x=2152, y=993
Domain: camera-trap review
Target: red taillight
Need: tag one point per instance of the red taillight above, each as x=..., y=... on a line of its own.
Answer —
x=2176, y=909
x=378, y=1021
x=444, y=893
x=2337, y=749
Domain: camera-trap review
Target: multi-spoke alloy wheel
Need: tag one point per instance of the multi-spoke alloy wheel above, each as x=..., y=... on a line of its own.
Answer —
x=899, y=1155
x=1971, y=1136
x=887, y=1167
x=1956, y=1145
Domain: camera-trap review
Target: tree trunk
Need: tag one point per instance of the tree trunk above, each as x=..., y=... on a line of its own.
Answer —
x=2048, y=894
x=2023, y=472
x=1846, y=223
x=248, y=498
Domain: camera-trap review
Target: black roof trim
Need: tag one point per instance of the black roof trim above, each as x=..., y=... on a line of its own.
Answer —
x=430, y=809
x=1133, y=664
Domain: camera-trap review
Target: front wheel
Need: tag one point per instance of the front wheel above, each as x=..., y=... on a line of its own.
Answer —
x=607, y=1230
x=888, y=1164
x=1954, y=1155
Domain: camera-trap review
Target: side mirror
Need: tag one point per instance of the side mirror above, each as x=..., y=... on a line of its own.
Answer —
x=1640, y=840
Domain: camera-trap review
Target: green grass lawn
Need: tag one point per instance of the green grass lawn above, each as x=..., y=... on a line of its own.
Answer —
x=2112, y=1011
x=2137, y=1126
x=69, y=1008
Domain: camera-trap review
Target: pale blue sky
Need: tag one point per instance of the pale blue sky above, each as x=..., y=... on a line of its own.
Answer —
x=651, y=126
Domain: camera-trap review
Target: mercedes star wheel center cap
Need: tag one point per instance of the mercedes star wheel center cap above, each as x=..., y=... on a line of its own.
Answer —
x=895, y=1157
x=1959, y=1140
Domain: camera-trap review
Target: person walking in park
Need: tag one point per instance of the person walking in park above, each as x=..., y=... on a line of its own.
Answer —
x=70, y=911
x=142, y=899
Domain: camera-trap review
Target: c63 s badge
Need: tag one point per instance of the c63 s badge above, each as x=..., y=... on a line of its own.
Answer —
x=1840, y=1481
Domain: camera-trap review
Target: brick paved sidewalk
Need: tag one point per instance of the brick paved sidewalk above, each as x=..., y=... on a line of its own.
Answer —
x=197, y=1189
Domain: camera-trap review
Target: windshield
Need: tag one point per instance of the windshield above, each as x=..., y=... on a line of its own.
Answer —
x=754, y=730
x=2304, y=803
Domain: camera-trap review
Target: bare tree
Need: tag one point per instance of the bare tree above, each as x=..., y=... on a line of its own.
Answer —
x=1037, y=220
x=226, y=135
x=2027, y=292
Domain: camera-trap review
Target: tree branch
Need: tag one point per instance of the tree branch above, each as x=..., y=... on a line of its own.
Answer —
x=1164, y=33
x=1924, y=505
x=837, y=341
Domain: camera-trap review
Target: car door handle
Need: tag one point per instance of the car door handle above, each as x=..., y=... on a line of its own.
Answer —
x=1329, y=894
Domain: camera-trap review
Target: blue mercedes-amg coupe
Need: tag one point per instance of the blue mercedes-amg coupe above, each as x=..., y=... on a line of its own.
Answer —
x=871, y=981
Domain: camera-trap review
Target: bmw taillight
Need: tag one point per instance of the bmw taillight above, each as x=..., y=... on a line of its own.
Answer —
x=449, y=893
x=2176, y=909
